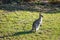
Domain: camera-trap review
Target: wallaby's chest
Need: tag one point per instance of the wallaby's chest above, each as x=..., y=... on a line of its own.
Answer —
x=37, y=22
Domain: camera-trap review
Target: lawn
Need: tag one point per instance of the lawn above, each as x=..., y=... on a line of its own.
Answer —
x=15, y=25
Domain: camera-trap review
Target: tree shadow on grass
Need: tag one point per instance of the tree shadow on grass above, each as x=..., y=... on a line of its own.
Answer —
x=46, y=8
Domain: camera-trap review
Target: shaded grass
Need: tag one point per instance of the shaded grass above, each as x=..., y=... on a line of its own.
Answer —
x=17, y=25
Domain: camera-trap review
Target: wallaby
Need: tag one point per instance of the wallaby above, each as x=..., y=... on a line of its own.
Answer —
x=37, y=23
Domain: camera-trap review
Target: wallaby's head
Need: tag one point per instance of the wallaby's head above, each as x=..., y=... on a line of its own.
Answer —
x=40, y=15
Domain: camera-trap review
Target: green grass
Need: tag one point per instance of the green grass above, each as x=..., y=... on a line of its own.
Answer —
x=17, y=24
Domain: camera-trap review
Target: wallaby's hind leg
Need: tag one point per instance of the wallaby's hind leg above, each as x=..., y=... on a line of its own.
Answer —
x=35, y=29
x=32, y=29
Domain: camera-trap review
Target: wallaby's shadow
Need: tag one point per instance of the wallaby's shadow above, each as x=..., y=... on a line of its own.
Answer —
x=17, y=33
x=21, y=33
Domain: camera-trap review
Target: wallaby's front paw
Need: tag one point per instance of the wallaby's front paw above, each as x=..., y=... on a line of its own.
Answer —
x=40, y=25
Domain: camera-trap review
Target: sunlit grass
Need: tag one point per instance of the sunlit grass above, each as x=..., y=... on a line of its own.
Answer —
x=15, y=26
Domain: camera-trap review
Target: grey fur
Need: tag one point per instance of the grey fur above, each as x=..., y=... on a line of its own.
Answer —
x=37, y=23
